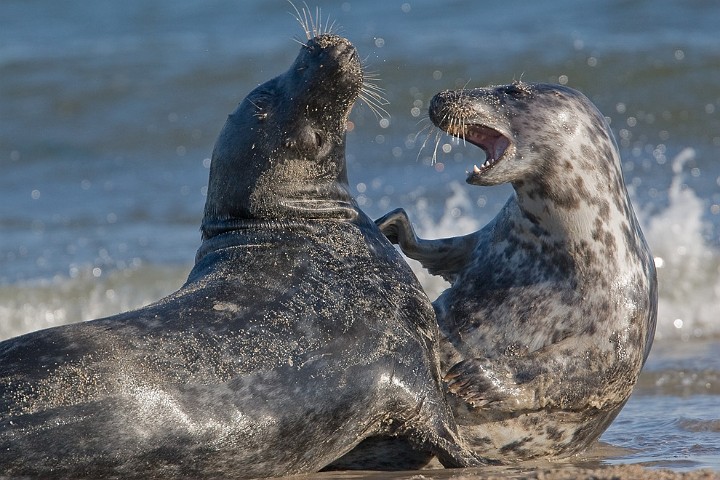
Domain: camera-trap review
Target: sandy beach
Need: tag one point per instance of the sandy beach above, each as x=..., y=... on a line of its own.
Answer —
x=610, y=472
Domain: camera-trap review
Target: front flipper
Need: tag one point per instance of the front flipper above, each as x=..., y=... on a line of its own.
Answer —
x=482, y=383
x=444, y=257
x=395, y=225
x=568, y=375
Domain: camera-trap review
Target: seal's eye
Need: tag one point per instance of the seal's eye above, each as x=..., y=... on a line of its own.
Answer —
x=260, y=105
x=513, y=90
x=307, y=140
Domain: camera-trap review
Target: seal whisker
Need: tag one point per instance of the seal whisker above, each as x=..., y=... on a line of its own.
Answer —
x=331, y=28
x=309, y=21
x=462, y=115
x=375, y=103
x=328, y=26
x=438, y=134
x=375, y=89
x=455, y=124
x=428, y=126
x=375, y=92
x=429, y=129
x=371, y=75
x=318, y=22
x=301, y=19
x=365, y=62
x=373, y=95
x=312, y=25
x=449, y=119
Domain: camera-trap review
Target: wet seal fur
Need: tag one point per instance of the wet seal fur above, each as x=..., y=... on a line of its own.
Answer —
x=299, y=333
x=552, y=306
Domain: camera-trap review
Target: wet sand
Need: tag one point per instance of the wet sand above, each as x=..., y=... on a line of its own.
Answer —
x=610, y=472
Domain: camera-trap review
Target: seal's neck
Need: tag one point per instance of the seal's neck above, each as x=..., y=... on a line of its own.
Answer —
x=276, y=206
x=591, y=213
x=233, y=233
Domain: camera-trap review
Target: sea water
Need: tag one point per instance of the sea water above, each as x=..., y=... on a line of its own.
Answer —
x=109, y=110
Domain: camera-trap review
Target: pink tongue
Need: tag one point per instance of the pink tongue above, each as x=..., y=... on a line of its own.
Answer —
x=501, y=144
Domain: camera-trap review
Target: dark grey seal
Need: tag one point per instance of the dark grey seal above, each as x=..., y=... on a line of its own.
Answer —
x=552, y=305
x=299, y=333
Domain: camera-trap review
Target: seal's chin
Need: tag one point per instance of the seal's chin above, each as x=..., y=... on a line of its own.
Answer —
x=492, y=142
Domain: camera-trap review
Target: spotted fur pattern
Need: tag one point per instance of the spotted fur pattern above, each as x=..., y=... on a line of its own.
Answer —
x=552, y=305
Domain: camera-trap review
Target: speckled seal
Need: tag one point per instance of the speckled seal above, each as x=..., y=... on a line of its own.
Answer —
x=551, y=310
x=299, y=333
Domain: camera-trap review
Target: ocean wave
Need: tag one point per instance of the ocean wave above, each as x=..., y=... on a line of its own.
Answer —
x=688, y=265
x=86, y=293
x=688, y=271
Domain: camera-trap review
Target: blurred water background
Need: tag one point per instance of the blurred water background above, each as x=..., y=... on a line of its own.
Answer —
x=109, y=110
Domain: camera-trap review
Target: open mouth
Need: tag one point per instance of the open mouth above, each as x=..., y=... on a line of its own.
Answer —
x=492, y=142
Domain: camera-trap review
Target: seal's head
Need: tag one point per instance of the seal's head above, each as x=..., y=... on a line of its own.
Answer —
x=527, y=131
x=281, y=153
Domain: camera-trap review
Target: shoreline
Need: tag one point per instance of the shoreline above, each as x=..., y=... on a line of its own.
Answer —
x=604, y=472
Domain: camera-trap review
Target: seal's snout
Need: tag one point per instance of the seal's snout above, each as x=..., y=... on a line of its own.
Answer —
x=452, y=108
x=329, y=40
x=334, y=47
x=331, y=71
x=439, y=108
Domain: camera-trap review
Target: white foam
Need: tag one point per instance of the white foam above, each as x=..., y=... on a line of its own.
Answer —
x=33, y=305
x=688, y=267
x=452, y=223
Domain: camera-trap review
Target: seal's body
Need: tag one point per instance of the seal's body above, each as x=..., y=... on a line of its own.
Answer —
x=299, y=333
x=552, y=305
